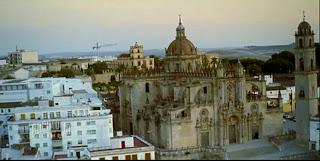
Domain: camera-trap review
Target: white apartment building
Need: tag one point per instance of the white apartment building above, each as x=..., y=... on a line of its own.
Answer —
x=72, y=123
x=23, y=90
x=314, y=143
x=22, y=56
x=124, y=148
x=75, y=125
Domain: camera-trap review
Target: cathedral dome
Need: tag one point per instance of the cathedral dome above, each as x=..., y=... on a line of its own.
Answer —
x=181, y=45
x=304, y=26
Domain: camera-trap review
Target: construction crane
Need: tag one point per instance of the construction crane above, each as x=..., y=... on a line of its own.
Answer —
x=97, y=47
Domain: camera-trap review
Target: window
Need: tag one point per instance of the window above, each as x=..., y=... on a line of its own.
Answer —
x=102, y=159
x=310, y=42
x=44, y=126
x=134, y=157
x=58, y=114
x=301, y=64
x=300, y=43
x=115, y=158
x=10, y=128
x=45, y=144
x=79, y=141
x=92, y=141
x=69, y=114
x=151, y=62
x=205, y=90
x=79, y=133
x=147, y=88
x=147, y=156
x=313, y=146
x=78, y=123
x=51, y=115
x=91, y=122
x=45, y=115
x=45, y=154
x=311, y=64
x=128, y=157
x=69, y=142
x=36, y=136
x=91, y=132
x=139, y=63
x=11, y=137
x=38, y=86
x=37, y=145
x=33, y=116
x=45, y=135
x=22, y=116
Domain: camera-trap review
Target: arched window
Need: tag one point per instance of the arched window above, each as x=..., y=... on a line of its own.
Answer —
x=113, y=78
x=138, y=51
x=301, y=64
x=147, y=87
x=301, y=94
x=300, y=43
x=310, y=42
x=311, y=64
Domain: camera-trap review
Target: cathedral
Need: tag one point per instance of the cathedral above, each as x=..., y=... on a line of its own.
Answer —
x=186, y=105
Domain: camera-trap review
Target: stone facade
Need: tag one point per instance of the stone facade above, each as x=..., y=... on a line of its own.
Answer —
x=135, y=58
x=192, y=106
x=305, y=81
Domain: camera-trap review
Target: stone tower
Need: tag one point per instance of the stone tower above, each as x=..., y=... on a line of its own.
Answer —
x=305, y=80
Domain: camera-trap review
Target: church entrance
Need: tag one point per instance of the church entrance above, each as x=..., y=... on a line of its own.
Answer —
x=255, y=132
x=232, y=134
x=204, y=139
x=233, y=130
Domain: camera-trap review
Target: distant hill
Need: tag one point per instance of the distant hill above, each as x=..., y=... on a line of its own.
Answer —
x=258, y=52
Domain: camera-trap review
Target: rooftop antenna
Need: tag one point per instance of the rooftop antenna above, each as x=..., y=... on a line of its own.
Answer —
x=304, y=15
x=16, y=47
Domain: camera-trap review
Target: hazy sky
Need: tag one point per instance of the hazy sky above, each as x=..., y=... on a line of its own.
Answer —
x=75, y=25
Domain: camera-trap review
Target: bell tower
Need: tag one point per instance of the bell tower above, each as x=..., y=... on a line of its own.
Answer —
x=305, y=80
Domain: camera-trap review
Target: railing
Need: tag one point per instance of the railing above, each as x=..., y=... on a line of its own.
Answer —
x=314, y=155
x=23, y=131
x=57, y=143
x=189, y=150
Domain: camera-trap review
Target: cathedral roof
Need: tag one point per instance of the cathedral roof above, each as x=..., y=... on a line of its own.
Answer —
x=304, y=27
x=181, y=45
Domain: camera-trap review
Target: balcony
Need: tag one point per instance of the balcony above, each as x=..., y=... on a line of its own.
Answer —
x=24, y=138
x=23, y=131
x=57, y=144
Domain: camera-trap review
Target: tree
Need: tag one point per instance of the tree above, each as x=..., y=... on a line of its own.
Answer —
x=48, y=74
x=214, y=61
x=205, y=61
x=120, y=69
x=65, y=72
x=9, y=77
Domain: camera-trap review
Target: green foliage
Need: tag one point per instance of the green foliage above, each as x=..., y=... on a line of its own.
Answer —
x=9, y=77
x=280, y=63
x=65, y=72
x=111, y=86
x=252, y=66
x=158, y=63
x=98, y=67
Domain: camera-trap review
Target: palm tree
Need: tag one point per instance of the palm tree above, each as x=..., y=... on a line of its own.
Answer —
x=120, y=69
x=214, y=61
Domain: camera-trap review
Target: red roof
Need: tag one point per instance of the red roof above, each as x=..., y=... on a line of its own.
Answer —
x=138, y=143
